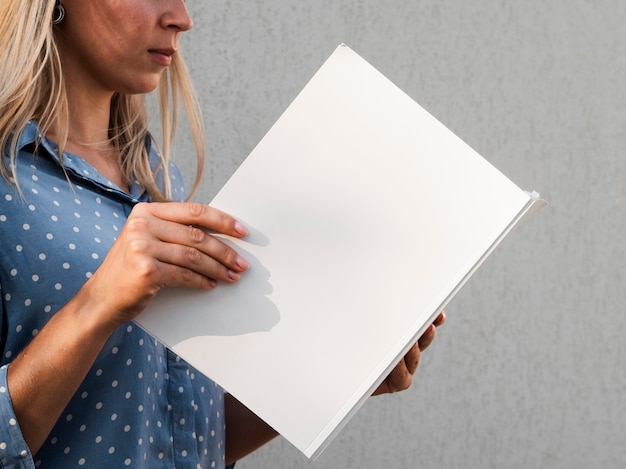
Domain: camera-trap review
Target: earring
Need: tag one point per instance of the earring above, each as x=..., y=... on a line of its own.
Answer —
x=58, y=13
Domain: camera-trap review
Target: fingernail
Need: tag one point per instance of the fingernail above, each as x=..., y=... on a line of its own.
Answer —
x=241, y=229
x=233, y=275
x=242, y=263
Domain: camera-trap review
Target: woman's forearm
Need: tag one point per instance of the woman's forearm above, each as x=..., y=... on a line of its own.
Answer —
x=45, y=375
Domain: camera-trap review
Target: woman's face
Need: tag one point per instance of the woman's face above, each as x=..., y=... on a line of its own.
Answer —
x=120, y=45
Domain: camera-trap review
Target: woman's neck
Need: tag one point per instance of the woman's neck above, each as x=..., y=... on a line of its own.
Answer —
x=88, y=132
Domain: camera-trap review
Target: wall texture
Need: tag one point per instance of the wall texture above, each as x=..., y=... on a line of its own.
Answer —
x=530, y=370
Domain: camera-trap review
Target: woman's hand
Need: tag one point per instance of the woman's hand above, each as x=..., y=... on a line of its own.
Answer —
x=164, y=244
x=160, y=244
x=401, y=376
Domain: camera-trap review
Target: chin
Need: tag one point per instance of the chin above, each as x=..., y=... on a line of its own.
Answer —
x=142, y=86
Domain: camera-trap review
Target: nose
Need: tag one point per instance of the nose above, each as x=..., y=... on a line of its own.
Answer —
x=176, y=16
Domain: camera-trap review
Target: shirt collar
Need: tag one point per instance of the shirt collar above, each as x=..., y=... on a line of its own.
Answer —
x=75, y=165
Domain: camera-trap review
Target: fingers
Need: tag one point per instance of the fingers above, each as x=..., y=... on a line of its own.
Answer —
x=193, y=248
x=196, y=214
x=176, y=240
x=412, y=359
x=401, y=377
x=429, y=335
x=440, y=319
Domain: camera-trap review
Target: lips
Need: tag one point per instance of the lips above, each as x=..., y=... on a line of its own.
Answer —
x=162, y=56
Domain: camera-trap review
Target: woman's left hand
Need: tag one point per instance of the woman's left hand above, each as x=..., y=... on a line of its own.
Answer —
x=401, y=376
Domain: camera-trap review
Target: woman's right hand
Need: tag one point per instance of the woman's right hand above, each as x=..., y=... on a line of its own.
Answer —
x=161, y=244
x=164, y=244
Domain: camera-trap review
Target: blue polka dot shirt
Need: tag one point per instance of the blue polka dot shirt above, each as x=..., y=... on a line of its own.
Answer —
x=140, y=405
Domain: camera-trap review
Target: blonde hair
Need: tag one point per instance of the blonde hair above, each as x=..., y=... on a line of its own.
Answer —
x=32, y=87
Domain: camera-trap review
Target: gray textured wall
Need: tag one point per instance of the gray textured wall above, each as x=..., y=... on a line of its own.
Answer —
x=530, y=370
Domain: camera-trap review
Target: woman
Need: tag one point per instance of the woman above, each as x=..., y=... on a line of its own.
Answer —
x=83, y=252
